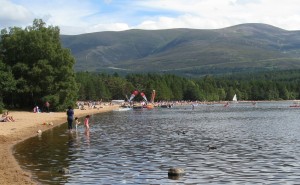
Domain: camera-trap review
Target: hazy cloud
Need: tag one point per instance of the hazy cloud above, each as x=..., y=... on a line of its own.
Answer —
x=77, y=16
x=13, y=14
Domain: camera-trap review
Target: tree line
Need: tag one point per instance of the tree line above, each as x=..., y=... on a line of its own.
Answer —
x=35, y=68
x=277, y=85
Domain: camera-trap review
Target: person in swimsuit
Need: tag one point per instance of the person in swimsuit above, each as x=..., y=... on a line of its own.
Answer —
x=86, y=122
x=76, y=122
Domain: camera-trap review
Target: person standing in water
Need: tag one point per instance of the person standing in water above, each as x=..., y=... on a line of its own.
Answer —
x=70, y=117
x=77, y=122
x=86, y=122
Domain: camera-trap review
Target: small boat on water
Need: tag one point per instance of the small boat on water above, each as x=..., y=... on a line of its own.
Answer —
x=123, y=108
x=234, y=99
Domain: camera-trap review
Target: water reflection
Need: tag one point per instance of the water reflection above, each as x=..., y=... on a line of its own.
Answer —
x=87, y=136
x=254, y=144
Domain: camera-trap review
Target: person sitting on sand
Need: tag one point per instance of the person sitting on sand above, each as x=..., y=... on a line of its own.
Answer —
x=8, y=118
x=36, y=109
x=4, y=119
x=82, y=107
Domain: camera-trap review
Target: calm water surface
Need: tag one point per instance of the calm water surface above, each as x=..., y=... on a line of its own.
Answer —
x=255, y=145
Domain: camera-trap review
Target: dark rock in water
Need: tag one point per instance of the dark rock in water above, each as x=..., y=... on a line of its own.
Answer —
x=175, y=172
x=64, y=171
x=174, y=177
x=211, y=147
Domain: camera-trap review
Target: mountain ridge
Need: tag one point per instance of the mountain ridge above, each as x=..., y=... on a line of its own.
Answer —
x=188, y=52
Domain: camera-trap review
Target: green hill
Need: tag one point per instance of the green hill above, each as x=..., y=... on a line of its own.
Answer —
x=189, y=52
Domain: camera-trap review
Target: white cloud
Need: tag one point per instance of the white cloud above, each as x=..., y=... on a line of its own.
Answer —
x=108, y=27
x=210, y=14
x=77, y=16
x=11, y=14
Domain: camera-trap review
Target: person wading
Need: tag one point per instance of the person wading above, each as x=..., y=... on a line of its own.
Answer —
x=70, y=117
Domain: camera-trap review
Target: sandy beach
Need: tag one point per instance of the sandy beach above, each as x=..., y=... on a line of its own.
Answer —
x=25, y=126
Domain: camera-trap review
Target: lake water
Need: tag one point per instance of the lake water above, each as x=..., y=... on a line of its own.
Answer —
x=255, y=145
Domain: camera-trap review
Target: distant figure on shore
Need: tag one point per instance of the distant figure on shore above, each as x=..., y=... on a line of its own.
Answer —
x=47, y=106
x=36, y=109
x=86, y=122
x=76, y=123
x=70, y=117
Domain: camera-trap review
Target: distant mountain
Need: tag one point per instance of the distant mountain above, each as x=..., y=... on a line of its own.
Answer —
x=189, y=52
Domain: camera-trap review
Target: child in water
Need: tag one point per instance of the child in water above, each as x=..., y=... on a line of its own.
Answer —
x=76, y=122
x=86, y=122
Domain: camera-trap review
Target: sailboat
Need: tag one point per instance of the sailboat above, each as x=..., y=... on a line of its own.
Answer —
x=234, y=99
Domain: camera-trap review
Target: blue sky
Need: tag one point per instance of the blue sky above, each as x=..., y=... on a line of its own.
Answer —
x=85, y=16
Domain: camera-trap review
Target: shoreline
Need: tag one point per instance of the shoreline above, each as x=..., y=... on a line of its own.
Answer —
x=25, y=126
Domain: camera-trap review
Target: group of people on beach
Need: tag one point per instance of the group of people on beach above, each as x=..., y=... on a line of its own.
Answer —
x=36, y=108
x=70, y=119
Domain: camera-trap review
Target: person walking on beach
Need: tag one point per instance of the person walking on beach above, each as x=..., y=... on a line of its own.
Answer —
x=70, y=117
x=47, y=105
x=86, y=122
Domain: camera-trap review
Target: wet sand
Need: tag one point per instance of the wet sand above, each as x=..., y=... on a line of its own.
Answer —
x=25, y=126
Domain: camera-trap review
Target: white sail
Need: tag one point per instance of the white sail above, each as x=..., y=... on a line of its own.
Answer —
x=234, y=98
